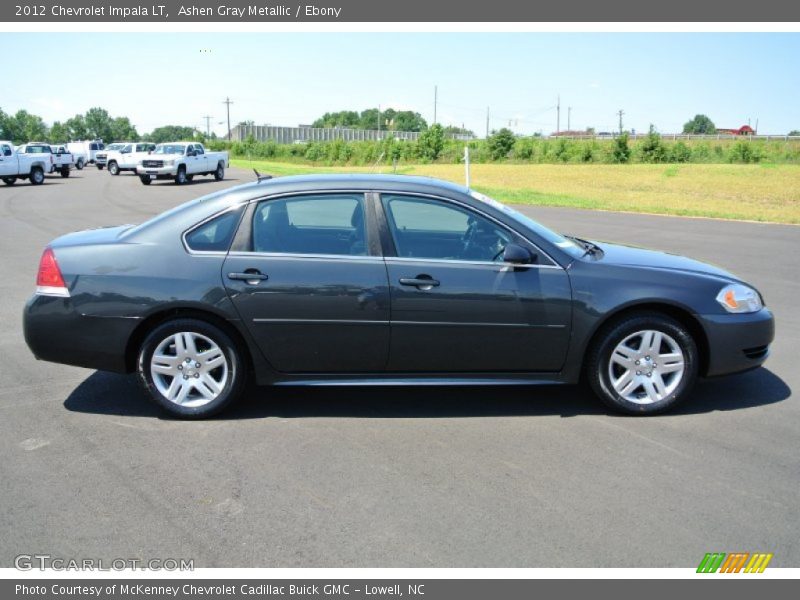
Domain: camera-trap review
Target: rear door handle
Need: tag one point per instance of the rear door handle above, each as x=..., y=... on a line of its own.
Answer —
x=250, y=276
x=420, y=281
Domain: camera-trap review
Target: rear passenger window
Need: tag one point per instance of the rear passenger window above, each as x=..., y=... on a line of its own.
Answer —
x=214, y=235
x=314, y=224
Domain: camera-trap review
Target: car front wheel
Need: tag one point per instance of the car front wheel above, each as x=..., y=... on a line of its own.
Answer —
x=645, y=363
x=191, y=368
x=113, y=168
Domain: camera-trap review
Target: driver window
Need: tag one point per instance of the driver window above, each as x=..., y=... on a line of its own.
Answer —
x=426, y=228
x=6, y=150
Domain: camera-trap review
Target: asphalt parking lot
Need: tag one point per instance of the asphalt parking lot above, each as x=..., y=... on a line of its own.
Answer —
x=377, y=477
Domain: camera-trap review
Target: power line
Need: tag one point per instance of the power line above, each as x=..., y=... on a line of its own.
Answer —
x=569, y=117
x=620, y=113
x=208, y=125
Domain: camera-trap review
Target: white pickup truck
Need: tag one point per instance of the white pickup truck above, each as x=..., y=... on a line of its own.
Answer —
x=181, y=161
x=63, y=159
x=14, y=165
x=127, y=157
x=58, y=163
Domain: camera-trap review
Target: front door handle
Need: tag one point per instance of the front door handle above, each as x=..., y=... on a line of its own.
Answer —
x=422, y=282
x=250, y=276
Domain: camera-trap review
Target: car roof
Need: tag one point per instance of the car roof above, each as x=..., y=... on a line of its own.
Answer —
x=356, y=181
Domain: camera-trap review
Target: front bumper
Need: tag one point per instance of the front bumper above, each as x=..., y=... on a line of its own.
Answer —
x=158, y=172
x=737, y=342
x=55, y=331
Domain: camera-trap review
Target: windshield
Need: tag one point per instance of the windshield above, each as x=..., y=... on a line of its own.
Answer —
x=169, y=149
x=114, y=146
x=558, y=240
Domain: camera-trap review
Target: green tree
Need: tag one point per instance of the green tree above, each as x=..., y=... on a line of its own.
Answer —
x=170, y=133
x=431, y=142
x=59, y=133
x=343, y=118
x=77, y=128
x=99, y=124
x=794, y=132
x=699, y=124
x=500, y=143
x=25, y=127
x=621, y=151
x=3, y=125
x=652, y=149
x=123, y=130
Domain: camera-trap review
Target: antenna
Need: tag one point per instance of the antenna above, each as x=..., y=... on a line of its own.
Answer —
x=261, y=177
x=377, y=162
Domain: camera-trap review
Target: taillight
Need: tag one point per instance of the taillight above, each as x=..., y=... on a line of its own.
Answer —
x=49, y=281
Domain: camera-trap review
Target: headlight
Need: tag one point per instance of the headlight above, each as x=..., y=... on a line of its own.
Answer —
x=738, y=298
x=169, y=163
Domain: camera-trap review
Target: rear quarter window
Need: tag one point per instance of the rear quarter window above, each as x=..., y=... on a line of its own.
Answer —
x=214, y=235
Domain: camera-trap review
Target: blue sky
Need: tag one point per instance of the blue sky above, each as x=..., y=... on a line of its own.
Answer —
x=286, y=79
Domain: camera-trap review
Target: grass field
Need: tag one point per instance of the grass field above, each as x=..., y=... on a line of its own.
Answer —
x=763, y=192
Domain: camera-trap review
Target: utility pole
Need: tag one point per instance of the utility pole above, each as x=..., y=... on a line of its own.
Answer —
x=558, y=115
x=435, y=101
x=228, y=103
x=569, y=118
x=208, y=125
x=379, y=117
x=620, y=113
x=487, y=122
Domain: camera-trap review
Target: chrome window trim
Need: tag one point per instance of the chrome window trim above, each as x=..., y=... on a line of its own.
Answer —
x=448, y=261
x=297, y=255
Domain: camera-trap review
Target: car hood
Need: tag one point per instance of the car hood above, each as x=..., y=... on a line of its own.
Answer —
x=618, y=254
x=155, y=156
x=103, y=235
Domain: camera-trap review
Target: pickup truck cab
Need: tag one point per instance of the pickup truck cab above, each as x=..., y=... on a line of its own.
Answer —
x=63, y=160
x=127, y=158
x=101, y=157
x=181, y=161
x=15, y=165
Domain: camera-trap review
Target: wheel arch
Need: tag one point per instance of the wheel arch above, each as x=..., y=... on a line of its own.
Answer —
x=681, y=314
x=184, y=312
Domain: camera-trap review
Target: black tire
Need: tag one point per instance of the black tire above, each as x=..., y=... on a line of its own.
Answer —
x=236, y=372
x=65, y=171
x=180, y=176
x=145, y=179
x=37, y=176
x=9, y=180
x=79, y=164
x=113, y=168
x=219, y=174
x=190, y=178
x=598, y=363
x=99, y=167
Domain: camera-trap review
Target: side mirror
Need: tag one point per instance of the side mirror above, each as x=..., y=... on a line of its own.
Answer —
x=517, y=255
x=190, y=153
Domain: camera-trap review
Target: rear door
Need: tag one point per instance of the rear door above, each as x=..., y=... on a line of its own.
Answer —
x=456, y=307
x=308, y=280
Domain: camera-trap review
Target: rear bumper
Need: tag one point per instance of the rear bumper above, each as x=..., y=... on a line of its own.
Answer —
x=56, y=332
x=737, y=342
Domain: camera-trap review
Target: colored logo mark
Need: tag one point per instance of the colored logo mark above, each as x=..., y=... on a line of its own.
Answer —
x=736, y=562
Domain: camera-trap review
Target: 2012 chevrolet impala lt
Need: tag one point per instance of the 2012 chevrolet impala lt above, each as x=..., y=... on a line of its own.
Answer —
x=372, y=279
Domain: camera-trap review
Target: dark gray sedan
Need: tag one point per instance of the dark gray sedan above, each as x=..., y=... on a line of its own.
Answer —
x=365, y=280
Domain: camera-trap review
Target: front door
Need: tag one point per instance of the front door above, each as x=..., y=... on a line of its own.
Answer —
x=308, y=288
x=456, y=307
x=8, y=162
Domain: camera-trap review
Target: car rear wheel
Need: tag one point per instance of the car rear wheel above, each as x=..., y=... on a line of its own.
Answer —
x=65, y=171
x=191, y=368
x=145, y=179
x=219, y=174
x=79, y=164
x=645, y=363
x=113, y=168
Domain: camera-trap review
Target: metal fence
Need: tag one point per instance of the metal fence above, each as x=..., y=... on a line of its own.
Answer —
x=675, y=136
x=300, y=134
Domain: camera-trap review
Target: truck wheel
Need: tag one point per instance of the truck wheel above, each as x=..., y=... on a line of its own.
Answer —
x=9, y=180
x=180, y=177
x=65, y=171
x=190, y=178
x=145, y=179
x=79, y=164
x=37, y=176
x=219, y=174
x=99, y=167
x=113, y=168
